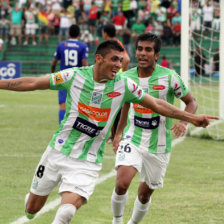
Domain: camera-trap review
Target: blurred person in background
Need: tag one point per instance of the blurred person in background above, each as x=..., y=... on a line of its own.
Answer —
x=16, y=25
x=71, y=53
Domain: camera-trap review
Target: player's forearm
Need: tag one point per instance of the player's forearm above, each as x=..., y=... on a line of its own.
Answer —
x=24, y=84
x=123, y=119
x=166, y=109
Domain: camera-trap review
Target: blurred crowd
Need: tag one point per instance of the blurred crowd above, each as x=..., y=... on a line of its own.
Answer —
x=36, y=20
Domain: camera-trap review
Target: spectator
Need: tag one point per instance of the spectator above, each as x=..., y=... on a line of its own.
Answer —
x=30, y=28
x=176, y=34
x=164, y=62
x=199, y=62
x=56, y=6
x=150, y=28
x=16, y=25
x=158, y=28
x=141, y=4
x=116, y=5
x=127, y=11
x=167, y=33
x=119, y=22
x=87, y=6
x=104, y=19
x=154, y=7
x=87, y=38
x=171, y=12
x=161, y=13
x=43, y=25
x=56, y=23
x=208, y=11
x=143, y=15
x=137, y=28
x=82, y=19
x=107, y=7
x=216, y=20
x=176, y=18
x=4, y=8
x=51, y=17
x=64, y=24
x=93, y=15
x=4, y=28
x=134, y=7
x=195, y=18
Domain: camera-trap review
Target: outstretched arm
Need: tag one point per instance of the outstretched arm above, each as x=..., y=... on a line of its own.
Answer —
x=26, y=83
x=179, y=129
x=121, y=125
x=168, y=110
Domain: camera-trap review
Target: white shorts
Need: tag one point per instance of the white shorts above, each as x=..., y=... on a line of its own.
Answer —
x=152, y=167
x=72, y=175
x=31, y=28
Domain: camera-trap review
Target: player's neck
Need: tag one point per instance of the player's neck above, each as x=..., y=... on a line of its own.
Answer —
x=96, y=75
x=145, y=72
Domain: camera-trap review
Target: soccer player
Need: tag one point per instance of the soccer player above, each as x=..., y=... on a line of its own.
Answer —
x=71, y=53
x=74, y=155
x=109, y=33
x=146, y=144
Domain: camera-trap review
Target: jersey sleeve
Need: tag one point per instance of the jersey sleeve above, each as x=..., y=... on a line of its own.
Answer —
x=61, y=80
x=178, y=86
x=134, y=93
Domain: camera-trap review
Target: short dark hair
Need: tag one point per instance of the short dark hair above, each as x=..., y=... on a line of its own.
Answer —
x=110, y=30
x=106, y=46
x=152, y=38
x=74, y=31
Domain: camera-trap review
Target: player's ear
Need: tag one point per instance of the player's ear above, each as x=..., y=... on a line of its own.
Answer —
x=157, y=56
x=98, y=58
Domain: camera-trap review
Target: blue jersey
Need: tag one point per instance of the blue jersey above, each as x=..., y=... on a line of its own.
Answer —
x=70, y=53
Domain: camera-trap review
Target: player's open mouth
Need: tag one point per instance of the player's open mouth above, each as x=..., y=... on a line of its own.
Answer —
x=114, y=72
x=142, y=60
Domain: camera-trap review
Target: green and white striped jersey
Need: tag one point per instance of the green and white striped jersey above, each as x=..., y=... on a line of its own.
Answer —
x=144, y=127
x=91, y=108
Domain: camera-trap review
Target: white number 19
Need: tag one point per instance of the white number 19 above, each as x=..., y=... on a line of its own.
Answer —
x=71, y=57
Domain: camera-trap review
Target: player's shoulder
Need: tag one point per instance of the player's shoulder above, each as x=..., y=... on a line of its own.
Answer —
x=160, y=71
x=85, y=71
x=131, y=72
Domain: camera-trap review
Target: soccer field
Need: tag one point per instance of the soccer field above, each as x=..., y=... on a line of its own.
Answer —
x=192, y=193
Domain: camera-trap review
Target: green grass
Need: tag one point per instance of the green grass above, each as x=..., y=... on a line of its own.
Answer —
x=192, y=193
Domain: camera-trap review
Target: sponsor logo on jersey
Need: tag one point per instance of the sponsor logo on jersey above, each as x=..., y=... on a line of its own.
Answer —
x=140, y=109
x=58, y=78
x=113, y=94
x=147, y=123
x=97, y=114
x=158, y=87
x=60, y=141
x=96, y=98
x=35, y=183
x=86, y=127
x=139, y=93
